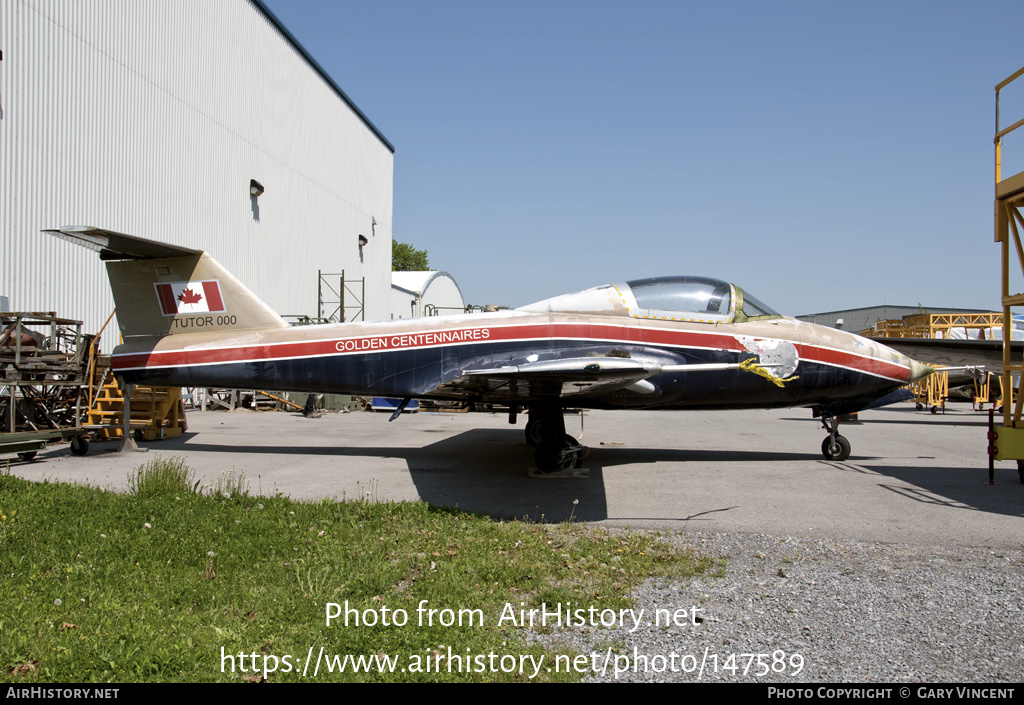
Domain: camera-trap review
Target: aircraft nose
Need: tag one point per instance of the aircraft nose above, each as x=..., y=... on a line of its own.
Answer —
x=919, y=370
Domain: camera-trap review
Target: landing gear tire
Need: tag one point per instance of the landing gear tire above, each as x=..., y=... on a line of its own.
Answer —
x=558, y=456
x=838, y=450
x=79, y=445
x=533, y=430
x=27, y=455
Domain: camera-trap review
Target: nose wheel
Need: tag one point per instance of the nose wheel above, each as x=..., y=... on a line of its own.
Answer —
x=837, y=448
x=834, y=447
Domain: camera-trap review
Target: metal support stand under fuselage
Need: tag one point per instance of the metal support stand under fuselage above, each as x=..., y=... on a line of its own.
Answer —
x=128, y=444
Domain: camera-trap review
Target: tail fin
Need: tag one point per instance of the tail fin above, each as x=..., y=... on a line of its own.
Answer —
x=162, y=289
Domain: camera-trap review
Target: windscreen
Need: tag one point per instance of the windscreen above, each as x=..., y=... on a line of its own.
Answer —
x=754, y=307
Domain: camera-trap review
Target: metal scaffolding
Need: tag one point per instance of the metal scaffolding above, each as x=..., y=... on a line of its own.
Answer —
x=1007, y=441
x=335, y=302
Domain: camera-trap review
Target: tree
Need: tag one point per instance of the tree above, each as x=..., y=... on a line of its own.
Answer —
x=406, y=258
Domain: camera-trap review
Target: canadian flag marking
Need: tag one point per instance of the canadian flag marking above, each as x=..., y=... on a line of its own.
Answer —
x=178, y=298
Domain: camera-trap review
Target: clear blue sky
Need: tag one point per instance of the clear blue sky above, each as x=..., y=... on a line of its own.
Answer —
x=824, y=155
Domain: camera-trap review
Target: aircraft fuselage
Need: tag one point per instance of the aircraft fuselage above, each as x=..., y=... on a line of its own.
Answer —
x=661, y=342
x=418, y=357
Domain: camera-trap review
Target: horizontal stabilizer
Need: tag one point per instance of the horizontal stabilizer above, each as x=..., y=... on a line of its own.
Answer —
x=115, y=246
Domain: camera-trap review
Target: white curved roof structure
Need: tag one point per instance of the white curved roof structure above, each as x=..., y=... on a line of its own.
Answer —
x=417, y=294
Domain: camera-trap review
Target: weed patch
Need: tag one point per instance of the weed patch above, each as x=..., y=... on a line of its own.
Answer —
x=162, y=477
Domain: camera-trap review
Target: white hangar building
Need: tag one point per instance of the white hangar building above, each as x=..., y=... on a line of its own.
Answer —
x=161, y=119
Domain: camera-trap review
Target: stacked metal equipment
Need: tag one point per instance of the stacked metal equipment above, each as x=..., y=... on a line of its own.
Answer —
x=43, y=374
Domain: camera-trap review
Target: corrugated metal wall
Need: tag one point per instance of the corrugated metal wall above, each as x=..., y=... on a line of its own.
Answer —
x=150, y=118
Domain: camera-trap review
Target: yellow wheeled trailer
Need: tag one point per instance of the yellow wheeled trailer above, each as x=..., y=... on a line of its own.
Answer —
x=932, y=391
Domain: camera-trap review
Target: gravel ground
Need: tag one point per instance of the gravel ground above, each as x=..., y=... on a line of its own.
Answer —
x=852, y=612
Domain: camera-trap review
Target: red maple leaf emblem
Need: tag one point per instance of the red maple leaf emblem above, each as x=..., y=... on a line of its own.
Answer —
x=190, y=297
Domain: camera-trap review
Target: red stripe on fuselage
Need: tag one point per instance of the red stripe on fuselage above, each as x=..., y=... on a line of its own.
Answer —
x=861, y=363
x=390, y=342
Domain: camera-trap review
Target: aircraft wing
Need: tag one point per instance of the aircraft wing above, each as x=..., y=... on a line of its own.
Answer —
x=955, y=353
x=568, y=378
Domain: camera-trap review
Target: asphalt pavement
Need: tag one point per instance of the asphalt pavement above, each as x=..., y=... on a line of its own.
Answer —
x=913, y=477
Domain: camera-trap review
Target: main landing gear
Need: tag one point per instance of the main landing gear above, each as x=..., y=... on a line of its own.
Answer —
x=834, y=447
x=558, y=454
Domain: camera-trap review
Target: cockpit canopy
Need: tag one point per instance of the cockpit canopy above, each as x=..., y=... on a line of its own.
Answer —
x=683, y=295
x=697, y=299
x=694, y=298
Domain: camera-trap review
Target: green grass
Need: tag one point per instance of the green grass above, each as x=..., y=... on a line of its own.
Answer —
x=161, y=478
x=167, y=583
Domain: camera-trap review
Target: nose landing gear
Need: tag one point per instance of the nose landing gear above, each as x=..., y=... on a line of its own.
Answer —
x=834, y=447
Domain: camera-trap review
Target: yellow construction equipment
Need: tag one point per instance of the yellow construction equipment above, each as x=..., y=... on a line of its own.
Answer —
x=932, y=391
x=1006, y=442
x=157, y=412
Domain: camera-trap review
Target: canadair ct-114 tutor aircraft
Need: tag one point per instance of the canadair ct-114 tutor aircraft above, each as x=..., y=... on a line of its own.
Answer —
x=661, y=343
